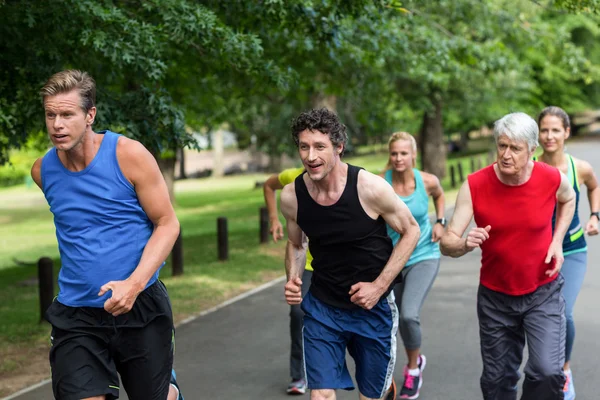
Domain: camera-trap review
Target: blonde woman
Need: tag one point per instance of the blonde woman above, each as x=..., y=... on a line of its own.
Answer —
x=414, y=188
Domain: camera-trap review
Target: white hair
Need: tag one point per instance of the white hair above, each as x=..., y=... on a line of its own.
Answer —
x=518, y=127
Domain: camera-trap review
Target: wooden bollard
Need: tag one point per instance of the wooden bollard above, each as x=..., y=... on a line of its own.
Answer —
x=264, y=225
x=46, y=284
x=479, y=163
x=461, y=175
x=222, y=239
x=177, y=256
x=473, y=165
x=452, y=176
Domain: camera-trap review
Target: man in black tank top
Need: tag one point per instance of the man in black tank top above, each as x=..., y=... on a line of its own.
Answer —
x=343, y=210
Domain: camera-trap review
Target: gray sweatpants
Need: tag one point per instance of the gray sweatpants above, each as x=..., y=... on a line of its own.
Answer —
x=296, y=324
x=505, y=323
x=410, y=295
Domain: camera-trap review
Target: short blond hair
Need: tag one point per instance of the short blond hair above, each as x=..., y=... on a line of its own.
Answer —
x=68, y=80
x=403, y=136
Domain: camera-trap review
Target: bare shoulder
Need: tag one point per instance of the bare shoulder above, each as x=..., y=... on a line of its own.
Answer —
x=583, y=167
x=135, y=161
x=375, y=193
x=129, y=148
x=370, y=183
x=289, y=202
x=430, y=180
x=36, y=172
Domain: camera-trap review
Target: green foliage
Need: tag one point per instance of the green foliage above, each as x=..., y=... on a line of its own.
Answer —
x=162, y=65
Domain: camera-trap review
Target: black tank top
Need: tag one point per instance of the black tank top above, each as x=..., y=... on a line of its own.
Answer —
x=347, y=245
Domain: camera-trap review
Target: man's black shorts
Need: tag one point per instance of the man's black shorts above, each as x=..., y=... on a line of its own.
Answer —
x=89, y=347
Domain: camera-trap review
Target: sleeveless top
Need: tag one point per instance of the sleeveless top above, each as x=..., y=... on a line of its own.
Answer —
x=513, y=258
x=418, y=204
x=101, y=227
x=348, y=246
x=574, y=240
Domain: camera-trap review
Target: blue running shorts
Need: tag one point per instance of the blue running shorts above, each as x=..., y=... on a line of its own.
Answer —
x=369, y=336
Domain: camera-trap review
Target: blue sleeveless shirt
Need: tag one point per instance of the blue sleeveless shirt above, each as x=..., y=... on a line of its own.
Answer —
x=101, y=227
x=418, y=204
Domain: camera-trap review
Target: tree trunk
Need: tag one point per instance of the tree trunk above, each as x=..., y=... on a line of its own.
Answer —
x=321, y=100
x=218, y=160
x=167, y=167
x=431, y=141
x=182, y=174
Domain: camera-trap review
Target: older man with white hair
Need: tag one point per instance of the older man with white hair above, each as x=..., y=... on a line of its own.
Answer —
x=519, y=298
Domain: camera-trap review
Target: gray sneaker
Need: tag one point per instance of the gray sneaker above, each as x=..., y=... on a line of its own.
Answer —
x=297, y=387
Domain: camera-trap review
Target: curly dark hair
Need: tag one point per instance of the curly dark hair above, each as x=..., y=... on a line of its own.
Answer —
x=321, y=120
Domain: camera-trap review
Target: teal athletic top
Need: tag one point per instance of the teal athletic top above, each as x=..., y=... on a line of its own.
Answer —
x=574, y=240
x=418, y=204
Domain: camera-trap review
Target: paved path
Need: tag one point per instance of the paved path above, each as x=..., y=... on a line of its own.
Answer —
x=241, y=351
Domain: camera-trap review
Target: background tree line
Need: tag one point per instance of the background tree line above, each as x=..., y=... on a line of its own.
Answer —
x=431, y=67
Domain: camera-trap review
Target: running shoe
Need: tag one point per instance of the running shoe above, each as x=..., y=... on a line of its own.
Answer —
x=412, y=384
x=297, y=387
x=175, y=385
x=569, y=388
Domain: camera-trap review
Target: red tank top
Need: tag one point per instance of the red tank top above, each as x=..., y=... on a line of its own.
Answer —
x=512, y=260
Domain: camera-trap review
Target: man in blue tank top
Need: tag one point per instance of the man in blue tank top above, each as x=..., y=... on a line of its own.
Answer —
x=115, y=226
x=343, y=211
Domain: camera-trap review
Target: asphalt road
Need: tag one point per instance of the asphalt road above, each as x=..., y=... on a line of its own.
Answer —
x=242, y=350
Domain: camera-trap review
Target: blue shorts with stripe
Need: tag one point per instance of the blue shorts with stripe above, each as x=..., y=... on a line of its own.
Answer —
x=369, y=336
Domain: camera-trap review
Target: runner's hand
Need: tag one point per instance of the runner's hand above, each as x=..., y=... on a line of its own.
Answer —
x=293, y=291
x=365, y=294
x=276, y=229
x=555, y=251
x=123, y=296
x=592, y=227
x=437, y=233
x=476, y=237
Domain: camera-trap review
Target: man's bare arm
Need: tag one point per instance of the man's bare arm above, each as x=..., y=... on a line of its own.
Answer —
x=36, y=172
x=380, y=197
x=270, y=186
x=565, y=208
x=452, y=243
x=295, y=251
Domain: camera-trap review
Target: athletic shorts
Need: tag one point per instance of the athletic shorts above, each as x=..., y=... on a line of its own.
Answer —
x=369, y=336
x=90, y=346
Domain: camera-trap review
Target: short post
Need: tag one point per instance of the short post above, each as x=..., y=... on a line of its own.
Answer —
x=473, y=165
x=479, y=163
x=461, y=175
x=222, y=239
x=452, y=176
x=177, y=256
x=264, y=225
x=46, y=284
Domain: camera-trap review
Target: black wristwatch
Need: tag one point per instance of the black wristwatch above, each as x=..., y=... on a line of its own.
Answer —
x=443, y=221
x=595, y=214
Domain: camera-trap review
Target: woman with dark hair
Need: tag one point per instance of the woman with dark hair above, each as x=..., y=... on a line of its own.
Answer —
x=555, y=128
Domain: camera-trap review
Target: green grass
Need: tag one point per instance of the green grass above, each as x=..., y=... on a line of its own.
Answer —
x=27, y=233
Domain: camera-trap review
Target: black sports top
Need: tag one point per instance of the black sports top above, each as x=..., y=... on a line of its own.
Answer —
x=348, y=246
